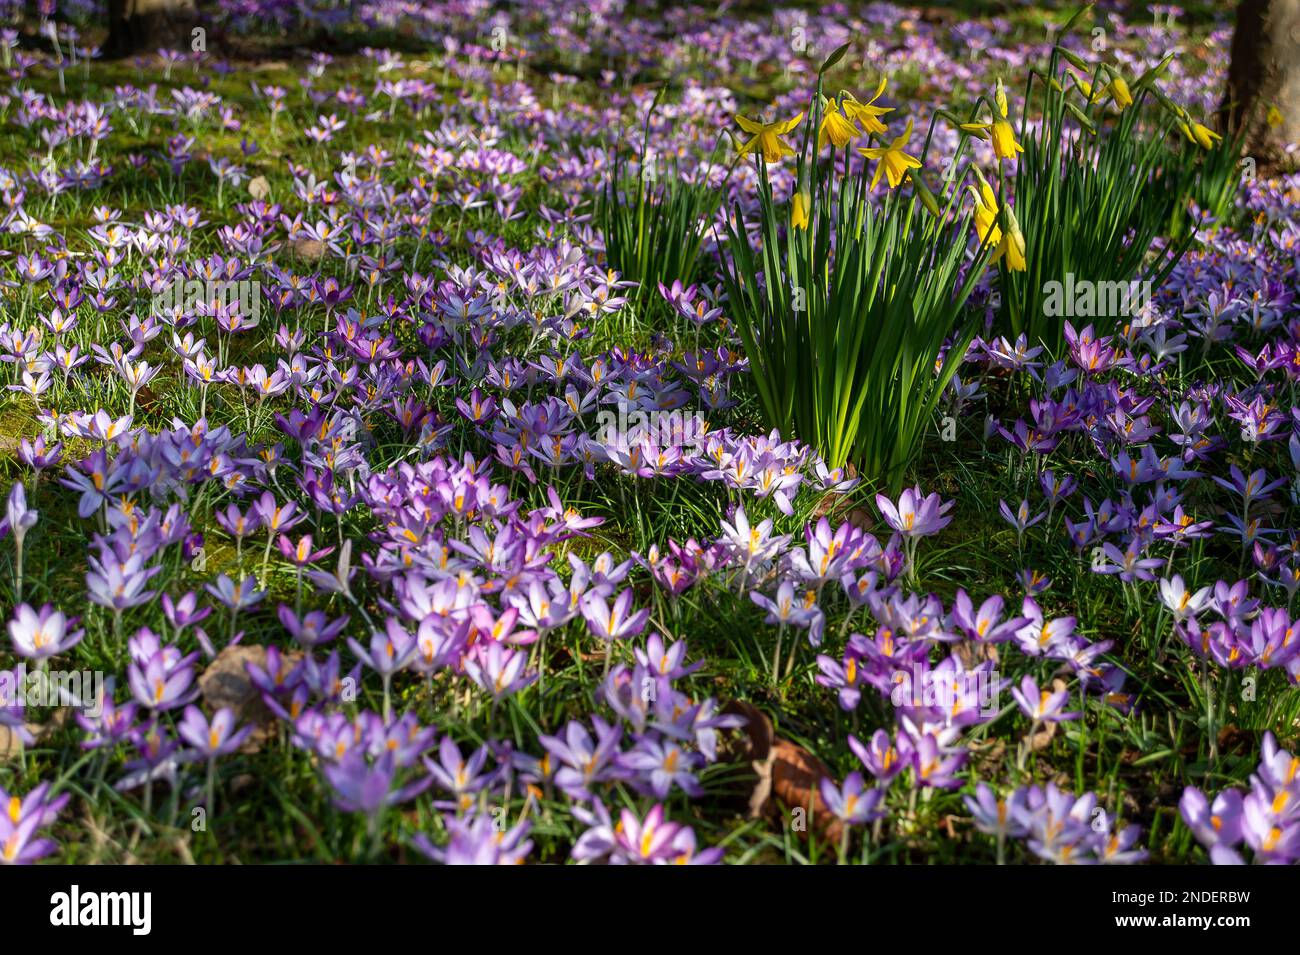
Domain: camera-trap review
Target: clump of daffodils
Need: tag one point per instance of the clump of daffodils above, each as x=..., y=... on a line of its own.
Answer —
x=845, y=119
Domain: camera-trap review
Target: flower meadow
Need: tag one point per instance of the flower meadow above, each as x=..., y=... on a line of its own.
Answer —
x=572, y=433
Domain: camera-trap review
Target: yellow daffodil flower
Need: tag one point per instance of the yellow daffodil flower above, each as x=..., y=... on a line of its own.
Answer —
x=1004, y=141
x=1085, y=87
x=767, y=137
x=1203, y=136
x=1120, y=92
x=988, y=230
x=1004, y=136
x=1274, y=117
x=866, y=113
x=978, y=130
x=799, y=209
x=891, y=160
x=1013, y=244
x=986, y=214
x=836, y=128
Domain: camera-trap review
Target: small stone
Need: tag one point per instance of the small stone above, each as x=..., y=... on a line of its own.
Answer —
x=225, y=683
x=309, y=249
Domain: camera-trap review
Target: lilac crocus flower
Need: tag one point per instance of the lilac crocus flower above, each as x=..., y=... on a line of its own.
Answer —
x=212, y=739
x=880, y=756
x=312, y=630
x=1213, y=824
x=499, y=669
x=665, y=661
x=19, y=844
x=477, y=840
x=1020, y=519
x=113, y=724
x=997, y=816
x=364, y=787
x=915, y=514
x=161, y=682
x=617, y=622
x=852, y=803
x=585, y=762
x=1041, y=706
x=390, y=651
x=649, y=841
x=235, y=597
x=18, y=518
x=43, y=634
x=460, y=777
x=986, y=625
x=119, y=585
x=656, y=766
x=184, y=612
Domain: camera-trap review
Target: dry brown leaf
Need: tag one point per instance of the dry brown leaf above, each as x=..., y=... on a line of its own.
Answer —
x=795, y=778
x=862, y=519
x=756, y=742
x=786, y=775
x=258, y=187
x=147, y=399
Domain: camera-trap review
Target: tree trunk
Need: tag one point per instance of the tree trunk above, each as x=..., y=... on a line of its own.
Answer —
x=1263, y=94
x=136, y=26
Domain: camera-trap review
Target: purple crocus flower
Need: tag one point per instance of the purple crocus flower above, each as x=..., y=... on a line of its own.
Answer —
x=499, y=669
x=312, y=630
x=119, y=585
x=649, y=841
x=617, y=622
x=461, y=777
x=365, y=787
x=1213, y=824
x=212, y=739
x=1041, y=706
x=853, y=803
x=985, y=625
x=19, y=844
x=585, y=762
x=880, y=756
x=113, y=724
x=184, y=612
x=1021, y=519
x=477, y=839
x=655, y=766
x=235, y=597
x=162, y=682
x=915, y=514
x=997, y=816
x=390, y=651
x=43, y=634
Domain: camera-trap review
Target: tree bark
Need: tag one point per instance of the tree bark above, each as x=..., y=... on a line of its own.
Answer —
x=1263, y=92
x=136, y=26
